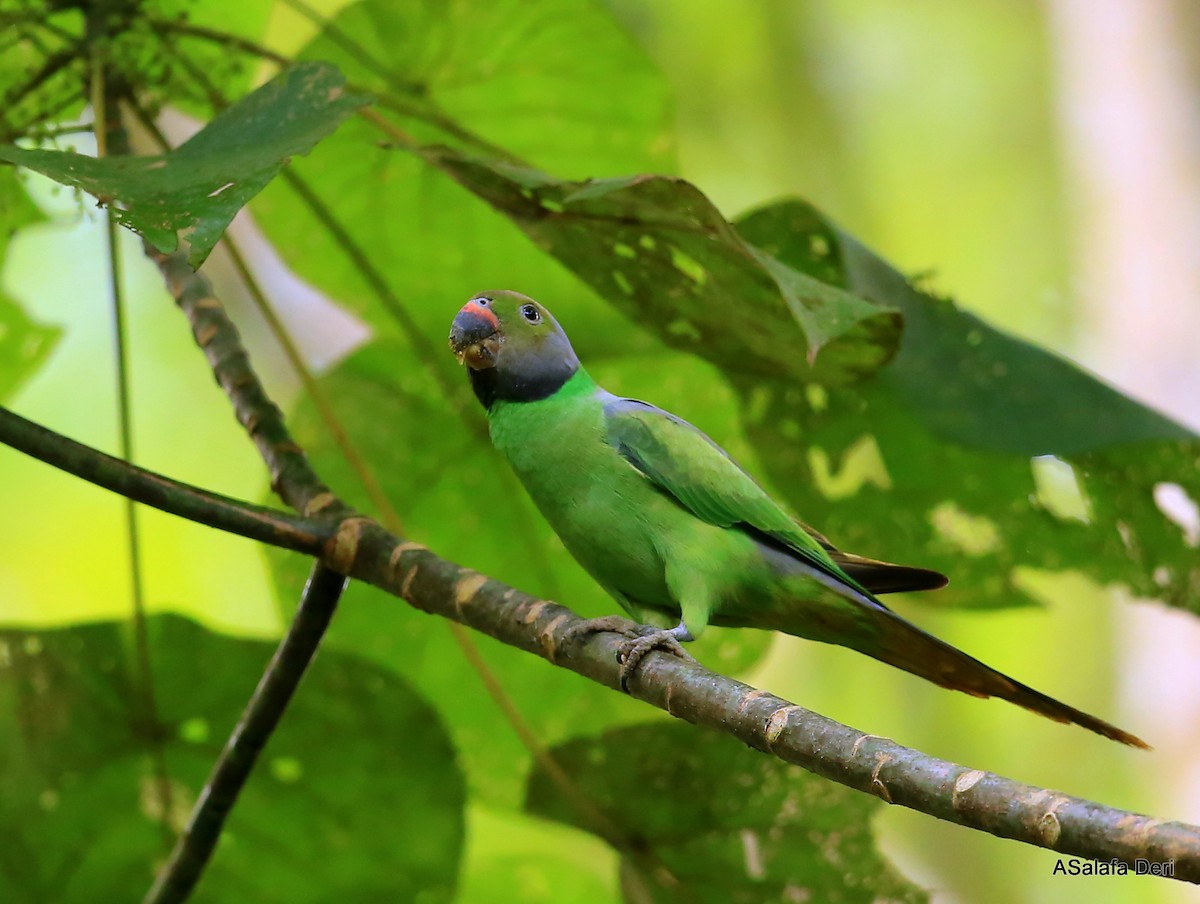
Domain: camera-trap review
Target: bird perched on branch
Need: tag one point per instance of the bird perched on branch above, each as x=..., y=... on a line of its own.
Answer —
x=666, y=522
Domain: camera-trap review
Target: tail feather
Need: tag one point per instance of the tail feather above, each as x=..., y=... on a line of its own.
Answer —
x=877, y=576
x=909, y=648
x=884, y=577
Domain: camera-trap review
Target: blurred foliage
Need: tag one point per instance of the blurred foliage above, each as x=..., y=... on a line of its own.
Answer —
x=949, y=444
x=729, y=825
x=24, y=344
x=359, y=761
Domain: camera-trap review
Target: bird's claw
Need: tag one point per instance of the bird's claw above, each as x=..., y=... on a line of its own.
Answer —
x=614, y=624
x=633, y=652
x=641, y=640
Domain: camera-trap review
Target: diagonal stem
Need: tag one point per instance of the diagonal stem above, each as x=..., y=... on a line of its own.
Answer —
x=245, y=519
x=194, y=847
x=312, y=387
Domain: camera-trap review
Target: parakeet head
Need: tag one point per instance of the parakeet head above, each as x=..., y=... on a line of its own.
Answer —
x=514, y=350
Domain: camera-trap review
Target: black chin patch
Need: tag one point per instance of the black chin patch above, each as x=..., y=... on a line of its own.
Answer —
x=504, y=383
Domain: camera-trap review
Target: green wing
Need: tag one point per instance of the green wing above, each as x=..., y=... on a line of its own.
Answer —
x=685, y=463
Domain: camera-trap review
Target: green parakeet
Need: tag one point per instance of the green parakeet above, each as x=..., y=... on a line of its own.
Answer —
x=667, y=522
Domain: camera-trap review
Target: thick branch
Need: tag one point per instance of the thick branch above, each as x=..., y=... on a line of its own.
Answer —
x=195, y=846
x=243, y=518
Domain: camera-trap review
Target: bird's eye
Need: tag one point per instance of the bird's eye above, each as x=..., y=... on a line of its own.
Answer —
x=483, y=300
x=530, y=313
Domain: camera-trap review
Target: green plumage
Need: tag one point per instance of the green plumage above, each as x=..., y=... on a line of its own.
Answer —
x=666, y=522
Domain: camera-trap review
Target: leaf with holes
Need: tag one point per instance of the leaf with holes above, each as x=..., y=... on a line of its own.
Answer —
x=194, y=192
x=661, y=251
x=727, y=823
x=973, y=452
x=359, y=777
x=558, y=83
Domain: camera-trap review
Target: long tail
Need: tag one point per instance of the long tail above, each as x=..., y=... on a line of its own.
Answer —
x=908, y=647
x=863, y=623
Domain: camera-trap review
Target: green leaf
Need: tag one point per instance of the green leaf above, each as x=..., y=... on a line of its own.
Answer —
x=460, y=497
x=548, y=82
x=24, y=344
x=730, y=824
x=660, y=251
x=557, y=81
x=359, y=778
x=228, y=70
x=972, y=452
x=40, y=69
x=195, y=191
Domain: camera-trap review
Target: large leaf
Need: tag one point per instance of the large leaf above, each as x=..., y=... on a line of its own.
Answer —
x=655, y=246
x=459, y=497
x=729, y=824
x=359, y=778
x=195, y=191
x=972, y=452
x=24, y=343
x=558, y=81
x=660, y=251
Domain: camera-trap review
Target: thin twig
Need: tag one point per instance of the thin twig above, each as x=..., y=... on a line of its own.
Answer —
x=112, y=138
x=235, y=516
x=195, y=846
x=47, y=113
x=224, y=39
x=50, y=67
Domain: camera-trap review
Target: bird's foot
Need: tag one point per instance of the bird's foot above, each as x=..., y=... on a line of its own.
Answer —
x=610, y=623
x=635, y=650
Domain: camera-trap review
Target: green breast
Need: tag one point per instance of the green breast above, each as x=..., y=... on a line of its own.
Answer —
x=606, y=513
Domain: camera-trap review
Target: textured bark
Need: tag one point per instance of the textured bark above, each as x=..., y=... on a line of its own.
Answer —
x=687, y=690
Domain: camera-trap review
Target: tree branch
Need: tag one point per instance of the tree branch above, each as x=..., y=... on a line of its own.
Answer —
x=194, y=847
x=245, y=519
